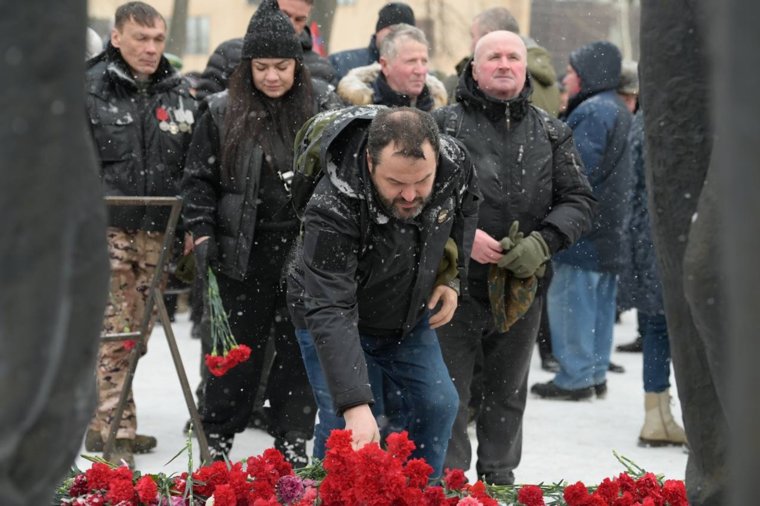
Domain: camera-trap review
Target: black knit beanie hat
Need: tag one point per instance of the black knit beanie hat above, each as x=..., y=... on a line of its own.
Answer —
x=270, y=34
x=393, y=14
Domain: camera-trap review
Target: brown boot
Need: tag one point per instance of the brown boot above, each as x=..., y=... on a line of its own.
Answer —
x=660, y=429
x=123, y=452
x=93, y=442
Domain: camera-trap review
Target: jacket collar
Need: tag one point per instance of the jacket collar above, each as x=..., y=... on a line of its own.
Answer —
x=383, y=94
x=165, y=77
x=469, y=93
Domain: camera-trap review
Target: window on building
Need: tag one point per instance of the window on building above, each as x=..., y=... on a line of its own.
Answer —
x=197, y=40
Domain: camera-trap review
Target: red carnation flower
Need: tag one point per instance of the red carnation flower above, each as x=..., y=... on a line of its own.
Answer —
x=576, y=494
x=78, y=486
x=239, y=354
x=626, y=483
x=399, y=446
x=98, y=477
x=624, y=500
x=608, y=490
x=147, y=490
x=531, y=495
x=120, y=490
x=434, y=496
x=417, y=472
x=454, y=479
x=224, y=496
x=217, y=365
x=674, y=492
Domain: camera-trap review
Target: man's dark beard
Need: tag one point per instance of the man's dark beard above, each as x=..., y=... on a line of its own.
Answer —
x=391, y=208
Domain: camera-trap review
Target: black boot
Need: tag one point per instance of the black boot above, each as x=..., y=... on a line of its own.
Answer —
x=635, y=346
x=551, y=391
x=219, y=446
x=293, y=447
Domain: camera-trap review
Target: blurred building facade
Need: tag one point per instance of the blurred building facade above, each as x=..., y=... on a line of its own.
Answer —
x=558, y=25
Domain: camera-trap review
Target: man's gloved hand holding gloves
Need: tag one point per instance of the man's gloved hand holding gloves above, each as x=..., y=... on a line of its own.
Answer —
x=524, y=256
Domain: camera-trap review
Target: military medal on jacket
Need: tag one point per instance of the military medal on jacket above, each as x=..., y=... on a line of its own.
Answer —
x=174, y=120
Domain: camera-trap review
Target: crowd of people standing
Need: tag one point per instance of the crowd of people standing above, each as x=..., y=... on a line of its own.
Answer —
x=448, y=229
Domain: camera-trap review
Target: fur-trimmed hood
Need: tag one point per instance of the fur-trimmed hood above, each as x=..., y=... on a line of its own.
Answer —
x=357, y=87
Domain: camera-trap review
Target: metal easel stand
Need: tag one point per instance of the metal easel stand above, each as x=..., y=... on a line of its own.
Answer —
x=155, y=296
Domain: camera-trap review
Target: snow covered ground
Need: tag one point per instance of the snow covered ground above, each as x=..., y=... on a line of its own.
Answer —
x=562, y=440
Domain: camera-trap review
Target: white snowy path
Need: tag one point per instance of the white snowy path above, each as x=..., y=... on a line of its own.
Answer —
x=562, y=440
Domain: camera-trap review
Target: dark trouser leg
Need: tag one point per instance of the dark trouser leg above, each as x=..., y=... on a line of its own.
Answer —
x=292, y=402
x=460, y=345
x=654, y=332
x=544, y=331
x=505, y=388
x=229, y=398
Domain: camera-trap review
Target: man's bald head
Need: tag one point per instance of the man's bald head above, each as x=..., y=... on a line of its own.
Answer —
x=501, y=36
x=500, y=64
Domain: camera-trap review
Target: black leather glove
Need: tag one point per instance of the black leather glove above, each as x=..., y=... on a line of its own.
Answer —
x=205, y=255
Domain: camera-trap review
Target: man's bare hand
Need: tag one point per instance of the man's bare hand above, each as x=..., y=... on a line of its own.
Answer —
x=361, y=422
x=486, y=249
x=449, y=299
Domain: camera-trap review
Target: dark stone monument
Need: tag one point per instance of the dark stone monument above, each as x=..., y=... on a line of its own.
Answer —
x=53, y=259
x=699, y=78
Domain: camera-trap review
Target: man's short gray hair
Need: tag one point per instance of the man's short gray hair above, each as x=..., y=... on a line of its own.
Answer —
x=389, y=47
x=496, y=18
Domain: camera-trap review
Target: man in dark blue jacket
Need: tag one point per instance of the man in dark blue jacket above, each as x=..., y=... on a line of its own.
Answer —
x=581, y=298
x=391, y=14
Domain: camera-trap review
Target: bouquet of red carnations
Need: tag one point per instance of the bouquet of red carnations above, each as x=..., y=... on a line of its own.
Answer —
x=370, y=476
x=226, y=353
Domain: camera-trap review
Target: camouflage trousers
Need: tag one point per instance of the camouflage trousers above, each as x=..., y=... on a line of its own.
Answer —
x=133, y=256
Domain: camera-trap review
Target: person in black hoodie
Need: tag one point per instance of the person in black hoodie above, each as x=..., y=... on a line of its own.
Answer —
x=531, y=178
x=236, y=192
x=141, y=117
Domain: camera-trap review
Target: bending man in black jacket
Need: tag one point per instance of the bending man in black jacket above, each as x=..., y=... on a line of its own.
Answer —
x=530, y=174
x=394, y=194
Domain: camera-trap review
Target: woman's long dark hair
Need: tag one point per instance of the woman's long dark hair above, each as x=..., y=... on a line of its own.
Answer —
x=253, y=115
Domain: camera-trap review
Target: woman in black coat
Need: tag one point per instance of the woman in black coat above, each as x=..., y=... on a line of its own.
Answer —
x=237, y=208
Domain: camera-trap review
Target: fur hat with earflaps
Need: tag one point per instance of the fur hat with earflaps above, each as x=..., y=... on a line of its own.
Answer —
x=270, y=34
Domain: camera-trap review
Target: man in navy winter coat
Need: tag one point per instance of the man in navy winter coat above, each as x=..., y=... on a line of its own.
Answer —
x=391, y=14
x=581, y=298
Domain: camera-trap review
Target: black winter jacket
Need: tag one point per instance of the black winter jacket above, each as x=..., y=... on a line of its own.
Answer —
x=528, y=168
x=221, y=64
x=226, y=210
x=362, y=271
x=319, y=67
x=141, y=135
